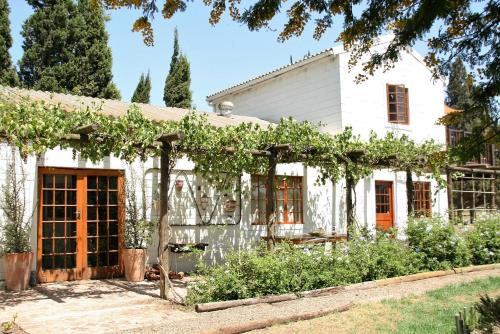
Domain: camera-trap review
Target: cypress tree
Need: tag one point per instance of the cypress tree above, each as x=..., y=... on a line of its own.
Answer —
x=65, y=49
x=177, y=93
x=8, y=75
x=460, y=85
x=143, y=90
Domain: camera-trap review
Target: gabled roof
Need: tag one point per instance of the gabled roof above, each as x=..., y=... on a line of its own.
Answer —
x=299, y=63
x=118, y=108
x=278, y=71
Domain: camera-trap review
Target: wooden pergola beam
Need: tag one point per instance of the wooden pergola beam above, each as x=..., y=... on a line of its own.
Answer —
x=171, y=137
x=86, y=129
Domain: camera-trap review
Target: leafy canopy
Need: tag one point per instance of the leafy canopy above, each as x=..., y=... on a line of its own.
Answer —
x=35, y=127
x=8, y=75
x=65, y=49
x=177, y=91
x=143, y=90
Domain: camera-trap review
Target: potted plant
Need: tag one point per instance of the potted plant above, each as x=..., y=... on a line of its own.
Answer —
x=138, y=229
x=15, y=228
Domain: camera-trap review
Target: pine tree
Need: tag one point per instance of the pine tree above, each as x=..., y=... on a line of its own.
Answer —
x=143, y=90
x=65, y=49
x=459, y=86
x=177, y=93
x=8, y=75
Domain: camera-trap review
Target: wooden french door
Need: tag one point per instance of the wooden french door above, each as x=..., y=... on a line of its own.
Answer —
x=384, y=205
x=80, y=223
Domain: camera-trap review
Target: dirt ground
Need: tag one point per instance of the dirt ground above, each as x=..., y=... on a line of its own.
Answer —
x=116, y=306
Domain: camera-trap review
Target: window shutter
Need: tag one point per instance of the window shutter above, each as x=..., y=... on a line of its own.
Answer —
x=407, y=107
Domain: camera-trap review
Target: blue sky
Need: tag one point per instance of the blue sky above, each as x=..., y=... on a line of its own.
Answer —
x=220, y=55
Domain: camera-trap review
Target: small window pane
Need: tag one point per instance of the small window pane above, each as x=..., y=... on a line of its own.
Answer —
x=59, y=229
x=59, y=261
x=48, y=197
x=47, y=262
x=60, y=181
x=92, y=260
x=47, y=230
x=113, y=182
x=47, y=246
x=48, y=213
x=91, y=213
x=48, y=181
x=91, y=229
x=71, y=182
x=71, y=197
x=92, y=182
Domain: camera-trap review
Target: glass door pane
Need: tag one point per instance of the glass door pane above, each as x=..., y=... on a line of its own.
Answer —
x=59, y=221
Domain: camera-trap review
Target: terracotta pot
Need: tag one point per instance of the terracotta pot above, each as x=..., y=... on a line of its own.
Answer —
x=134, y=261
x=17, y=270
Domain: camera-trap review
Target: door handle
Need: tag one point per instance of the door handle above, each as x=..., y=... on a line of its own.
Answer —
x=77, y=214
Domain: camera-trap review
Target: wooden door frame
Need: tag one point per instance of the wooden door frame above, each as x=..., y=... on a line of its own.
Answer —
x=391, y=199
x=81, y=271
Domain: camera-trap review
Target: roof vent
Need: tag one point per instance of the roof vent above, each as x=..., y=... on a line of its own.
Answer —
x=224, y=108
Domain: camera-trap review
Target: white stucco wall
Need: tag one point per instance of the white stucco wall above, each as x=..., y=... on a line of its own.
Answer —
x=364, y=104
x=223, y=232
x=310, y=92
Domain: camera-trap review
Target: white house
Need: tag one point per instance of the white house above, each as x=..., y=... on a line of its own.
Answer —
x=321, y=89
x=76, y=207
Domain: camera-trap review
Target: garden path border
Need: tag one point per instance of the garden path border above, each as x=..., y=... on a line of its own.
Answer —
x=216, y=306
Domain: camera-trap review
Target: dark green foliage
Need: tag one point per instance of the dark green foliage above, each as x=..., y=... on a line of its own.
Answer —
x=483, y=240
x=459, y=86
x=177, y=93
x=143, y=90
x=432, y=245
x=437, y=243
x=8, y=75
x=65, y=49
x=489, y=313
x=290, y=269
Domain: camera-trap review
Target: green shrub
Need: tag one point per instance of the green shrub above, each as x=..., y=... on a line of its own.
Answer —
x=483, y=240
x=437, y=244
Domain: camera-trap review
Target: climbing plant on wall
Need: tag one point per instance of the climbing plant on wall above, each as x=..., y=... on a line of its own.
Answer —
x=219, y=153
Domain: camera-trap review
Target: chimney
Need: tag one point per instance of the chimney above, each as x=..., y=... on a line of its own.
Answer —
x=225, y=108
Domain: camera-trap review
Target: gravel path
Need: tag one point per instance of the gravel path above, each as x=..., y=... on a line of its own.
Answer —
x=116, y=306
x=212, y=320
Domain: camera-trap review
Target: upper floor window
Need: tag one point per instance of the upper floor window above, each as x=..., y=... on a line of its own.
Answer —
x=288, y=199
x=397, y=104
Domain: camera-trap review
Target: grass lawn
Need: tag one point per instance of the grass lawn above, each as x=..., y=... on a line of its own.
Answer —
x=432, y=312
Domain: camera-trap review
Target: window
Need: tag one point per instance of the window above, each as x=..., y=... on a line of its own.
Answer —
x=422, y=198
x=397, y=104
x=288, y=199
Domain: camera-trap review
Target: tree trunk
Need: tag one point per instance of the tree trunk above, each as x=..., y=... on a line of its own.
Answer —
x=349, y=184
x=271, y=201
x=164, y=185
x=410, y=194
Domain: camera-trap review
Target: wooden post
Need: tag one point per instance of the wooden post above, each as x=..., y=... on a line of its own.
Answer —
x=164, y=186
x=410, y=194
x=349, y=184
x=271, y=200
x=494, y=191
x=449, y=190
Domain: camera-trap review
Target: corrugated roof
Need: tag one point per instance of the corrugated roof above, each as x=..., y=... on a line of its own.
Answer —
x=118, y=108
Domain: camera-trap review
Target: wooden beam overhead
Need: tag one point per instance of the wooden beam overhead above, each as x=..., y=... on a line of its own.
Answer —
x=86, y=129
x=171, y=137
